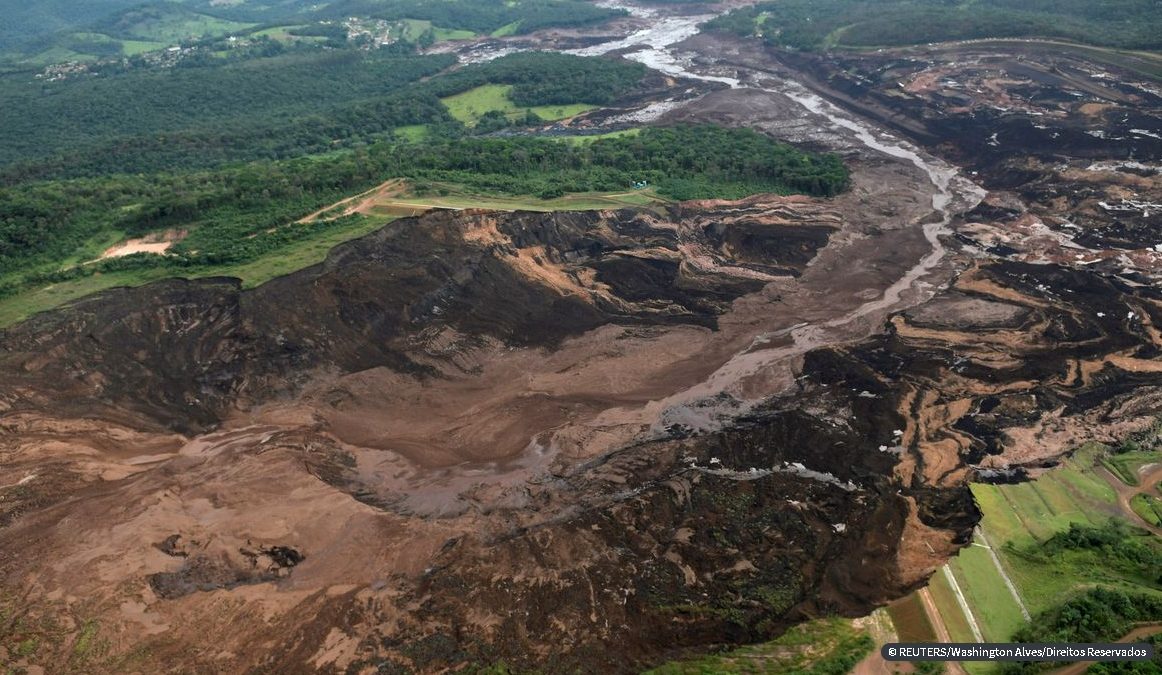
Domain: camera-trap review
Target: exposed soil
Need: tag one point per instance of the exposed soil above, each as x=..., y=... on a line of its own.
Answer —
x=1149, y=479
x=590, y=441
x=1135, y=635
x=155, y=243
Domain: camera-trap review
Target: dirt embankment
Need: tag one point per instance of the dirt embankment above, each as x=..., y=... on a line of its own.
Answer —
x=155, y=243
x=570, y=441
x=447, y=475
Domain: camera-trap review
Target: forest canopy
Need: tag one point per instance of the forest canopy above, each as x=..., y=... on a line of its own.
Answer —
x=816, y=24
x=241, y=212
x=267, y=108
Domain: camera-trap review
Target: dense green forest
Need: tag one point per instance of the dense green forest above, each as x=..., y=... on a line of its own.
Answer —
x=108, y=113
x=1096, y=615
x=239, y=213
x=546, y=78
x=287, y=105
x=814, y=24
x=681, y=163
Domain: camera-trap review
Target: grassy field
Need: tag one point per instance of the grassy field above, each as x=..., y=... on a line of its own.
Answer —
x=283, y=34
x=1125, y=465
x=1017, y=517
x=1017, y=520
x=954, y=619
x=57, y=55
x=821, y=646
x=506, y=30
x=414, y=133
x=135, y=47
x=126, y=47
x=589, y=138
x=412, y=29
x=1148, y=507
x=297, y=255
x=992, y=604
x=447, y=196
x=469, y=106
x=552, y=113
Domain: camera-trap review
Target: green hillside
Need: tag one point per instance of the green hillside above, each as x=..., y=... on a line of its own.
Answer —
x=815, y=24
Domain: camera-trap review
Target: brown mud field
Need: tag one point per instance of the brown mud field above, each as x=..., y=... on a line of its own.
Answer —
x=589, y=441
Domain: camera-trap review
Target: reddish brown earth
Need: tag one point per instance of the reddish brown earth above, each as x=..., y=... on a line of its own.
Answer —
x=570, y=442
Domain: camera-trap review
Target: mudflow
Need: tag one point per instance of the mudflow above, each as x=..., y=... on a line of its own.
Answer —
x=585, y=441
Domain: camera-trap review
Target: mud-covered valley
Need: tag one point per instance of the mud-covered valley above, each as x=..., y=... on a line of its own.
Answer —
x=591, y=442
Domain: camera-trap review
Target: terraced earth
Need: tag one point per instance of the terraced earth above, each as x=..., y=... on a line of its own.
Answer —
x=604, y=440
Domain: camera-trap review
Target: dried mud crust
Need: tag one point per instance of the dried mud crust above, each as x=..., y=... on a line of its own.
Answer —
x=1068, y=141
x=836, y=496
x=392, y=393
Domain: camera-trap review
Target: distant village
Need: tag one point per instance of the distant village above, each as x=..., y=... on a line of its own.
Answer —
x=362, y=32
x=162, y=58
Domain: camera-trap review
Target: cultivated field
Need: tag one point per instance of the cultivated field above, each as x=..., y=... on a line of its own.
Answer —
x=1018, y=520
x=471, y=105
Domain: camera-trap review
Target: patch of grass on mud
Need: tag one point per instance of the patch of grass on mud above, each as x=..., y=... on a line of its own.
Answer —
x=954, y=619
x=821, y=647
x=1125, y=465
x=1148, y=507
x=910, y=620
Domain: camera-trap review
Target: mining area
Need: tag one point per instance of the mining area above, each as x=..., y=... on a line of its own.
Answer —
x=597, y=441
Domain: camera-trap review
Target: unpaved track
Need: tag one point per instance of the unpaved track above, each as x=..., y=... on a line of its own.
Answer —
x=939, y=626
x=363, y=201
x=934, y=616
x=1148, y=484
x=1133, y=636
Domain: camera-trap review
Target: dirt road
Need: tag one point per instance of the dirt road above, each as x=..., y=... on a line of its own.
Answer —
x=1133, y=636
x=1147, y=484
x=939, y=626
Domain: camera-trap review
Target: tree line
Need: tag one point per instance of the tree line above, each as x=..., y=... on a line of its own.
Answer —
x=685, y=162
x=239, y=213
x=816, y=24
x=269, y=108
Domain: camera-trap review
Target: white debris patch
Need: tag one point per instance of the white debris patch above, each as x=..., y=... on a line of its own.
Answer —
x=798, y=469
x=752, y=473
x=23, y=481
x=1113, y=165
x=649, y=113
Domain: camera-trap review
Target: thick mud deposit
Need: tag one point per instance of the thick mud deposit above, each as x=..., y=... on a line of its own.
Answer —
x=571, y=442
